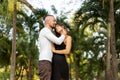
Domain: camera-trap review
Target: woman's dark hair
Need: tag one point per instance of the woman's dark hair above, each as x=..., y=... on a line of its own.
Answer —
x=62, y=25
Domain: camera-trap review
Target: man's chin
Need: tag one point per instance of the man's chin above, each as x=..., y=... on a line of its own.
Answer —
x=53, y=26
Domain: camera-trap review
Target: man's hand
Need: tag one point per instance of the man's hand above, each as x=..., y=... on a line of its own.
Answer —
x=63, y=32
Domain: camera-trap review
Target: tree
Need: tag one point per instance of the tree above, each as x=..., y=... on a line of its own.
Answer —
x=93, y=12
x=27, y=35
x=113, y=44
x=13, y=56
x=90, y=20
x=27, y=4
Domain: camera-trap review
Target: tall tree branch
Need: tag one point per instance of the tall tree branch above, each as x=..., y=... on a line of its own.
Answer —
x=27, y=4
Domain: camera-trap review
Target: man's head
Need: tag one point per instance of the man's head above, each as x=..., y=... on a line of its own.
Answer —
x=50, y=21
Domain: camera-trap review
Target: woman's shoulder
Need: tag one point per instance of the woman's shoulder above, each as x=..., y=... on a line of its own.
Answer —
x=68, y=37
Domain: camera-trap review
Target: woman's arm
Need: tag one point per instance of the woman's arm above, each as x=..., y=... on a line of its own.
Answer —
x=67, y=49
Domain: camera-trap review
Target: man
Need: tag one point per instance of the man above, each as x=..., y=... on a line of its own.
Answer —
x=46, y=38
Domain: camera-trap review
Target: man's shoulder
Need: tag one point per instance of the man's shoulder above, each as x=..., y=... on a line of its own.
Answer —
x=44, y=30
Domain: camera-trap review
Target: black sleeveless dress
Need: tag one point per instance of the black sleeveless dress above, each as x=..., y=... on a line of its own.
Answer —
x=60, y=70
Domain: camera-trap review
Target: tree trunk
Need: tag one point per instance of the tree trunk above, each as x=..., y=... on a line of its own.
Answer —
x=108, y=65
x=30, y=71
x=76, y=69
x=13, y=56
x=99, y=75
x=113, y=46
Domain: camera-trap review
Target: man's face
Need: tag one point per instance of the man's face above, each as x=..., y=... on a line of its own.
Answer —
x=52, y=22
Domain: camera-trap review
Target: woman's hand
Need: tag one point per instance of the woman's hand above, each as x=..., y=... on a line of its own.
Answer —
x=53, y=48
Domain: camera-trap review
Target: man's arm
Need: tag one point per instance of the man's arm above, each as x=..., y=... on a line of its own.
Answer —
x=57, y=40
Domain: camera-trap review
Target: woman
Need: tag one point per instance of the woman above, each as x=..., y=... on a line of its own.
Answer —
x=60, y=70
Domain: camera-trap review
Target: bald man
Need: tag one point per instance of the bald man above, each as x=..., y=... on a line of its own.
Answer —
x=46, y=38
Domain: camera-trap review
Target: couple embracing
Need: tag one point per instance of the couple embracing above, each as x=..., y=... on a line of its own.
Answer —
x=52, y=63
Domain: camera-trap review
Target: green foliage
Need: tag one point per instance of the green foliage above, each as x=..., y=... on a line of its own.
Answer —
x=87, y=58
x=92, y=18
x=27, y=51
x=54, y=9
x=4, y=75
x=3, y=7
x=27, y=35
x=39, y=15
x=5, y=51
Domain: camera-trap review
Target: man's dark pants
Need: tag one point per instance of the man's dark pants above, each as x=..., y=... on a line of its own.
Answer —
x=44, y=68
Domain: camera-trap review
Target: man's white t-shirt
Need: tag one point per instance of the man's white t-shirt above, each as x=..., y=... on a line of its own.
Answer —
x=46, y=38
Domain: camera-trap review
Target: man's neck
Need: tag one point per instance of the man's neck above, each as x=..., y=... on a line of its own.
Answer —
x=47, y=26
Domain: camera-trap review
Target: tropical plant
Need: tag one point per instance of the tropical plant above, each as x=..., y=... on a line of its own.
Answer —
x=94, y=17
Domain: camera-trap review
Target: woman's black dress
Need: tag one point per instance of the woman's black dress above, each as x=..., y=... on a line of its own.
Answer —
x=60, y=70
